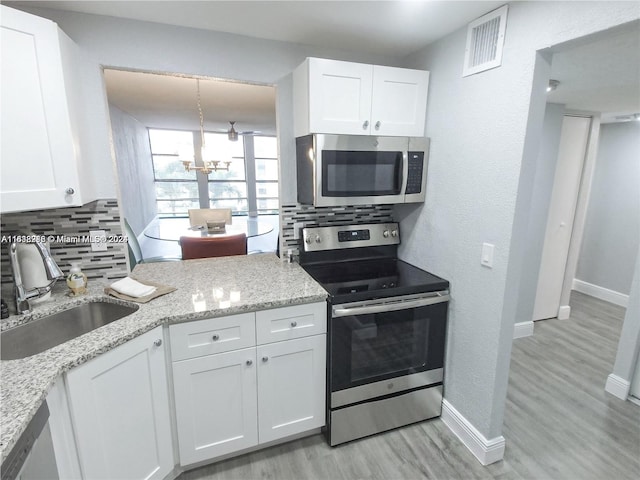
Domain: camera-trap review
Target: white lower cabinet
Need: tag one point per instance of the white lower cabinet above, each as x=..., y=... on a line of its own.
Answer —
x=120, y=412
x=227, y=402
x=291, y=387
x=216, y=404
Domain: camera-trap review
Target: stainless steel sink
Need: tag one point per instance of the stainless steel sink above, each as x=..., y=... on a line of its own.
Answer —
x=47, y=332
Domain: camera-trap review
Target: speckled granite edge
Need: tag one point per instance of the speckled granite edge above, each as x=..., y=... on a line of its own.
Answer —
x=260, y=282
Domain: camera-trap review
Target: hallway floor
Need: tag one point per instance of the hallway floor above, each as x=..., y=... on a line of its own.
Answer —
x=559, y=422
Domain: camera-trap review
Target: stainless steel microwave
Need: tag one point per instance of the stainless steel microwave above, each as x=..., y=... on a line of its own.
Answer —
x=339, y=170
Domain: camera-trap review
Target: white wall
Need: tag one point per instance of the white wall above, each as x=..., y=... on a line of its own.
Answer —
x=135, y=45
x=135, y=169
x=485, y=132
x=612, y=233
x=629, y=344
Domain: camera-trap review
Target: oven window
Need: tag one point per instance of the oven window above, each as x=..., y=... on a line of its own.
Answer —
x=355, y=174
x=373, y=347
x=385, y=345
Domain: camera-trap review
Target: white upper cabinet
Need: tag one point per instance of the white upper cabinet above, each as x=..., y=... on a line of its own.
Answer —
x=399, y=105
x=338, y=97
x=39, y=145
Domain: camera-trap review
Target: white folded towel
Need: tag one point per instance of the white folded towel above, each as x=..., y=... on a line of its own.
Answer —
x=129, y=286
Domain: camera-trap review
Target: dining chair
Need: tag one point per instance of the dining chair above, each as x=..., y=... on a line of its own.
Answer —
x=135, y=252
x=205, y=247
x=200, y=216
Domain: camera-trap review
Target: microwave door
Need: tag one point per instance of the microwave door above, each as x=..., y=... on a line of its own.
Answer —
x=361, y=177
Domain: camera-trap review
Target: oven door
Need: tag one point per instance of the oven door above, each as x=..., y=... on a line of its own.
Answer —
x=371, y=342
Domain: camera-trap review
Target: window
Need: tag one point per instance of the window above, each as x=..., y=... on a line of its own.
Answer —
x=178, y=190
x=266, y=164
x=227, y=189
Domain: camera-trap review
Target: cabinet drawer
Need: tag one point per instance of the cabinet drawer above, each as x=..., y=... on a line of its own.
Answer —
x=214, y=335
x=291, y=322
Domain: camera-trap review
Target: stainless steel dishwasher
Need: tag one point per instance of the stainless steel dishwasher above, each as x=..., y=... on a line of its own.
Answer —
x=32, y=457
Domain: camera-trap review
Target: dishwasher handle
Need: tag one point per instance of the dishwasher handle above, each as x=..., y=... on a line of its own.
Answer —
x=387, y=305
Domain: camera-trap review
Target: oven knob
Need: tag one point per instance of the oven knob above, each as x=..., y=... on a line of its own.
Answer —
x=394, y=233
x=385, y=234
x=318, y=239
x=308, y=240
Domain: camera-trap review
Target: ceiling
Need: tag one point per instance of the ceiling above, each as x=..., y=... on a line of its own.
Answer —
x=166, y=101
x=602, y=75
x=395, y=28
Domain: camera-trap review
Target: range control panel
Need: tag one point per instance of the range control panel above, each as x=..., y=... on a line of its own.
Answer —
x=316, y=239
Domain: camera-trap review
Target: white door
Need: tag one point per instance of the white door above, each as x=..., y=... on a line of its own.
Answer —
x=339, y=97
x=564, y=197
x=120, y=412
x=216, y=404
x=291, y=387
x=399, y=101
x=38, y=158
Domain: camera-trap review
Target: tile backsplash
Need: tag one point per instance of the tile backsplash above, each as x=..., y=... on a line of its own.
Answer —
x=310, y=216
x=66, y=228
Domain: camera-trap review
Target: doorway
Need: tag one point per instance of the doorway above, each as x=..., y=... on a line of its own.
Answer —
x=164, y=129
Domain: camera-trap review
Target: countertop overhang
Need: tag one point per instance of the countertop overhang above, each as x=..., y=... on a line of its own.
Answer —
x=206, y=288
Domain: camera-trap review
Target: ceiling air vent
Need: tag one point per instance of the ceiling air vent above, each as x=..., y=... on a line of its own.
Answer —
x=485, y=38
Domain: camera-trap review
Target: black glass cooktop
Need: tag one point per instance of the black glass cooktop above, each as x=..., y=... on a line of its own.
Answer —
x=353, y=281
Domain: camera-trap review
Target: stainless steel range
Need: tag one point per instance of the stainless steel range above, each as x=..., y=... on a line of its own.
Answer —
x=386, y=334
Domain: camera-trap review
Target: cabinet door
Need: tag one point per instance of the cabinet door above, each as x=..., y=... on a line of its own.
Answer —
x=216, y=404
x=399, y=104
x=38, y=157
x=291, y=387
x=339, y=97
x=120, y=411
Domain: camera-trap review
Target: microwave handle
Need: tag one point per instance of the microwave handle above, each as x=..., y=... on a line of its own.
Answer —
x=404, y=173
x=381, y=307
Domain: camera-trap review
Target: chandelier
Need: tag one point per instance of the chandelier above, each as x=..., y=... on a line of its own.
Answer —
x=208, y=165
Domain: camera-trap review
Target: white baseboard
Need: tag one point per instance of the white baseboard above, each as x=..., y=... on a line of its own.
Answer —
x=486, y=451
x=602, y=293
x=618, y=387
x=523, y=329
x=564, y=312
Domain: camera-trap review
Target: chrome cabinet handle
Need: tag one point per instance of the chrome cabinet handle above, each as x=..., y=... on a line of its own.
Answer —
x=216, y=337
x=294, y=324
x=265, y=359
x=377, y=125
x=69, y=191
x=365, y=125
x=249, y=362
x=157, y=343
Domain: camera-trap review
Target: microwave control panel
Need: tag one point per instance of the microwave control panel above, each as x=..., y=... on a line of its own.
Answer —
x=414, y=177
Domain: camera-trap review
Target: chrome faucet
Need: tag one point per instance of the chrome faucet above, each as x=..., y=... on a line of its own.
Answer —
x=23, y=296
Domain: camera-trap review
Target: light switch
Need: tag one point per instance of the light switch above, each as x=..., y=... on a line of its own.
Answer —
x=487, y=255
x=98, y=240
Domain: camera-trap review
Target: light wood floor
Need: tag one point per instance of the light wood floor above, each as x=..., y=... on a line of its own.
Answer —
x=559, y=421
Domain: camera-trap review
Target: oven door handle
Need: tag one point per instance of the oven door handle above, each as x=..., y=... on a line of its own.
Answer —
x=389, y=306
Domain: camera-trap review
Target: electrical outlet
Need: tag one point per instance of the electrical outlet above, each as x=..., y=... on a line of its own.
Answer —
x=98, y=240
x=487, y=255
x=296, y=230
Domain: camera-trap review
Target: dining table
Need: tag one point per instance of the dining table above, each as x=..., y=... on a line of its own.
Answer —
x=172, y=228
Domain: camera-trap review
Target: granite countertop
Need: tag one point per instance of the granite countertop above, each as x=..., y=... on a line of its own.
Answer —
x=204, y=290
